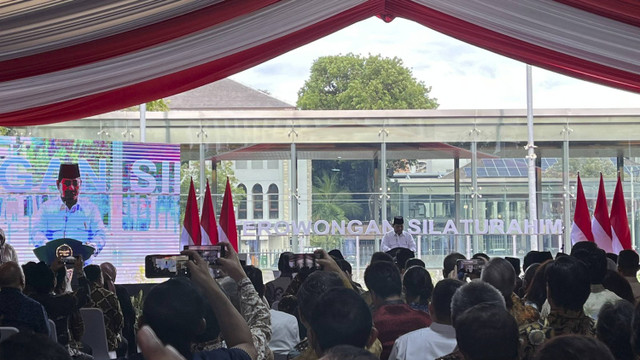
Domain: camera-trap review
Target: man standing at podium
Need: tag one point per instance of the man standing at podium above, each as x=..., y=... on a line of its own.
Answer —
x=69, y=216
x=398, y=237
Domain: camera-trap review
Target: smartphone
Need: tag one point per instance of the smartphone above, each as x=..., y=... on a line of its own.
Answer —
x=469, y=267
x=299, y=261
x=210, y=253
x=68, y=260
x=165, y=266
x=243, y=259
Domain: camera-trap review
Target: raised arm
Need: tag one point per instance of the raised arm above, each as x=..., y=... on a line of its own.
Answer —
x=233, y=327
x=83, y=291
x=153, y=349
x=252, y=308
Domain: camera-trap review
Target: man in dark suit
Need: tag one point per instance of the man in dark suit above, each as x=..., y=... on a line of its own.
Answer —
x=17, y=309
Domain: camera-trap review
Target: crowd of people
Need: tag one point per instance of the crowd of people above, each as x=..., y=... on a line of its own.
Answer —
x=581, y=305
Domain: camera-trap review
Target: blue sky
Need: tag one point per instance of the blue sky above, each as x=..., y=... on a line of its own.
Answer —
x=462, y=76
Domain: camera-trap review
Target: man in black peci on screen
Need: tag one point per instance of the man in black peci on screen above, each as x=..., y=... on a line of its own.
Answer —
x=69, y=216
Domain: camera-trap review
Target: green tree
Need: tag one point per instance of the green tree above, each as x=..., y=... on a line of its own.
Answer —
x=158, y=105
x=330, y=202
x=353, y=176
x=587, y=167
x=189, y=170
x=154, y=105
x=353, y=82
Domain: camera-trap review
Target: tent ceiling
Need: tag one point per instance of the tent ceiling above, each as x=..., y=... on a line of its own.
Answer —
x=63, y=60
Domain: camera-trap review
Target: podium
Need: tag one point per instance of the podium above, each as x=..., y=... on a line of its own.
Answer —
x=63, y=247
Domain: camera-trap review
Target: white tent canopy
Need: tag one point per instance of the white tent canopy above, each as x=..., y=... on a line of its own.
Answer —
x=62, y=60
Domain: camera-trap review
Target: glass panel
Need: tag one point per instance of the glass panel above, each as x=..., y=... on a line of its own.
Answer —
x=631, y=186
x=257, y=164
x=242, y=202
x=258, y=205
x=273, y=202
x=339, y=175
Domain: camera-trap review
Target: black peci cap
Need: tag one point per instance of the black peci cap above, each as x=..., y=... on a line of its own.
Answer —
x=68, y=171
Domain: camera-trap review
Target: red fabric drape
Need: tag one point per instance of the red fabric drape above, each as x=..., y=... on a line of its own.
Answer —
x=516, y=49
x=127, y=42
x=627, y=11
x=187, y=79
x=172, y=83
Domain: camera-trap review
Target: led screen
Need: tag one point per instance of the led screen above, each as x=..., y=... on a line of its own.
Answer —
x=127, y=201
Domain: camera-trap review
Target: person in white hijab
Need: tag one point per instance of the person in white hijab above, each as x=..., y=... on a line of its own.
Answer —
x=7, y=252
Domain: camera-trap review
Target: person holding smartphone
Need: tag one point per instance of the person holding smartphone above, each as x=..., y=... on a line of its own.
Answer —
x=246, y=300
x=274, y=289
x=176, y=323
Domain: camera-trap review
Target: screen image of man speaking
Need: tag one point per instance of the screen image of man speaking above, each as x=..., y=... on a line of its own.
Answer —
x=69, y=216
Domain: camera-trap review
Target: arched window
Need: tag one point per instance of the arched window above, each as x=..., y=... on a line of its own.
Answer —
x=274, y=210
x=242, y=202
x=257, y=201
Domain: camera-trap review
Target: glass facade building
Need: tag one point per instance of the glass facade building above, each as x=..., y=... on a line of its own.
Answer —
x=459, y=175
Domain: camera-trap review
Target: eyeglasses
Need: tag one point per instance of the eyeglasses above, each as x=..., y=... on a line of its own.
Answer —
x=69, y=182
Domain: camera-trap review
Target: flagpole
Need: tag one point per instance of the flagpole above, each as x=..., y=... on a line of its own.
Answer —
x=201, y=134
x=143, y=122
x=295, y=244
x=383, y=182
x=202, y=175
x=531, y=156
x=633, y=214
x=566, y=185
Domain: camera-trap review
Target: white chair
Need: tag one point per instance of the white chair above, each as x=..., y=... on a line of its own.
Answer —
x=53, y=333
x=95, y=333
x=6, y=331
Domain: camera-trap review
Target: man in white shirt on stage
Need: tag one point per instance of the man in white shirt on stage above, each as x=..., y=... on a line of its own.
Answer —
x=398, y=237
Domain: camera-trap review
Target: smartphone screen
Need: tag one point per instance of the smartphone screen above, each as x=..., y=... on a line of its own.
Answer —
x=165, y=266
x=68, y=260
x=210, y=253
x=471, y=266
x=299, y=261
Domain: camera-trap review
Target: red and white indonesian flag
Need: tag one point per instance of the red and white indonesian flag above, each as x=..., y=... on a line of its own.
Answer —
x=190, y=234
x=208, y=220
x=619, y=223
x=581, y=228
x=229, y=232
x=600, y=224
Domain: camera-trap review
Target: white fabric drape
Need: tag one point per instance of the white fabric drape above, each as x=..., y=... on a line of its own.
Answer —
x=31, y=27
x=554, y=26
x=227, y=38
x=61, y=60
